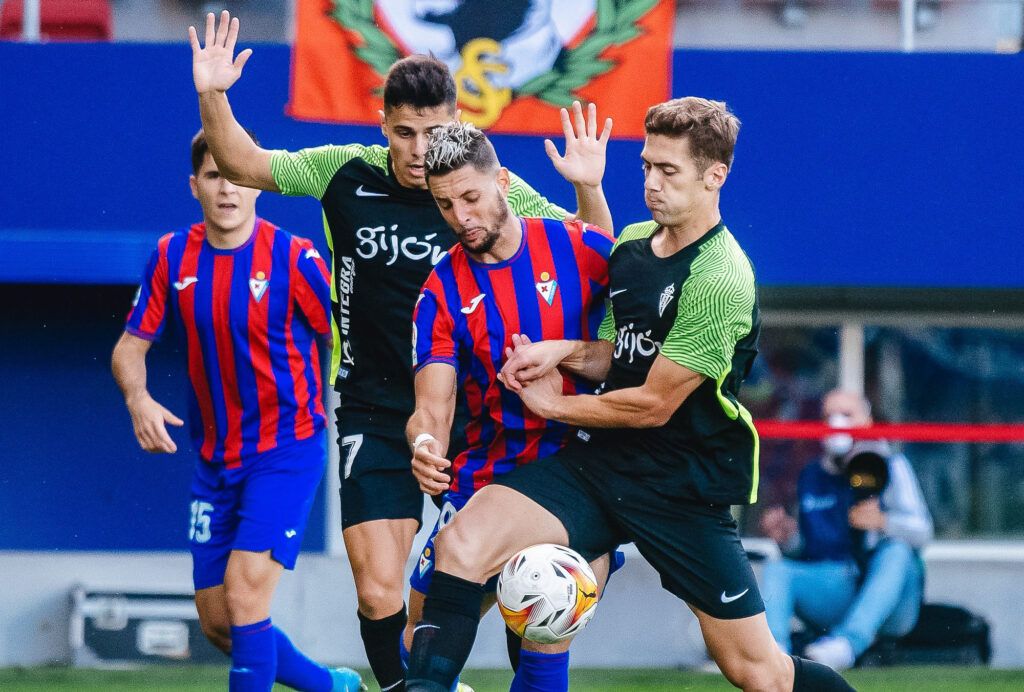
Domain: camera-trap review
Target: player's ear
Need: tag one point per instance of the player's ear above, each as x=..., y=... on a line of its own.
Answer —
x=504, y=180
x=383, y=123
x=715, y=175
x=193, y=185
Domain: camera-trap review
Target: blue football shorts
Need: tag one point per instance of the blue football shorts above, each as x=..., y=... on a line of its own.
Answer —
x=262, y=505
x=450, y=505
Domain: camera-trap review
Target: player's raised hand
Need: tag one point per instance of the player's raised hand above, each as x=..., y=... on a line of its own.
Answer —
x=584, y=159
x=214, y=65
x=149, y=420
x=429, y=467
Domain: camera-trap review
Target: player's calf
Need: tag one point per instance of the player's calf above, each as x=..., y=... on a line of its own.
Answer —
x=213, y=617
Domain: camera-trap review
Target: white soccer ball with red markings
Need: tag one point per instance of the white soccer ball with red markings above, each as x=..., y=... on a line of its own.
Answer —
x=547, y=593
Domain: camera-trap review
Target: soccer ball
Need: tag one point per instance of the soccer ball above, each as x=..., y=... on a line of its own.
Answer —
x=547, y=593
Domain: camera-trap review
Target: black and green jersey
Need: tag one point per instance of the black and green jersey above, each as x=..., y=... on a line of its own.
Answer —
x=385, y=239
x=697, y=307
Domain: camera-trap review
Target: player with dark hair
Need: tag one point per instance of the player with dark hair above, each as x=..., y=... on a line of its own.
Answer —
x=248, y=301
x=664, y=449
x=508, y=275
x=385, y=233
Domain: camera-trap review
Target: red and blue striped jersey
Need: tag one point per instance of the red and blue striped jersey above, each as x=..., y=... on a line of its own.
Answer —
x=248, y=319
x=553, y=287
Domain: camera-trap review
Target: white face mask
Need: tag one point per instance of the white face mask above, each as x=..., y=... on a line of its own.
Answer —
x=838, y=444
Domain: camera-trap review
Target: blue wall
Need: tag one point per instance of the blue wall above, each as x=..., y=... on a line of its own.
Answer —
x=852, y=169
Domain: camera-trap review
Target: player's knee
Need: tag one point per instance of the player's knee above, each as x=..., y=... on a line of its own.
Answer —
x=461, y=552
x=379, y=596
x=765, y=674
x=247, y=597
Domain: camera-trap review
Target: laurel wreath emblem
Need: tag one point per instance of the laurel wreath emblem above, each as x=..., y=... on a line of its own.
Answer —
x=616, y=24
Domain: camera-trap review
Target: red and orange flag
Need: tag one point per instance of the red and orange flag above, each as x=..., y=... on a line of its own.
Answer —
x=515, y=61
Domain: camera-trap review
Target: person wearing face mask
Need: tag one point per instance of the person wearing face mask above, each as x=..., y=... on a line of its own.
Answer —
x=852, y=569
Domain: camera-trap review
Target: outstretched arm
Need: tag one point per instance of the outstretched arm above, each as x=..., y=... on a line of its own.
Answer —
x=528, y=361
x=650, y=405
x=214, y=70
x=430, y=426
x=583, y=163
x=148, y=417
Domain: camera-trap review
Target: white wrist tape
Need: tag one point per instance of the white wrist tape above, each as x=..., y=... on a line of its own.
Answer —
x=420, y=439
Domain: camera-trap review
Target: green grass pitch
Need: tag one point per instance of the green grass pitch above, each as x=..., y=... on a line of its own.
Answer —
x=165, y=679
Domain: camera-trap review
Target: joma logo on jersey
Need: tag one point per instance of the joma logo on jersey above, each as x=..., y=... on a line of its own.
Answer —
x=634, y=343
x=386, y=242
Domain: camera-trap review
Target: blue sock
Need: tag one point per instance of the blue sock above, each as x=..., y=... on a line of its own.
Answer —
x=297, y=671
x=539, y=672
x=253, y=657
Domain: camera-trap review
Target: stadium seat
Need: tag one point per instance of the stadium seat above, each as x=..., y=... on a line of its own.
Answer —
x=61, y=20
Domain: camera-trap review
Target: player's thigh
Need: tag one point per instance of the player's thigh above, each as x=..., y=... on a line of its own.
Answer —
x=376, y=477
x=379, y=549
x=541, y=502
x=213, y=524
x=278, y=491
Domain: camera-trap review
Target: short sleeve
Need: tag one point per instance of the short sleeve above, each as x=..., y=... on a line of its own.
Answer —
x=525, y=201
x=433, y=341
x=313, y=286
x=606, y=332
x=714, y=312
x=309, y=171
x=148, y=315
x=597, y=248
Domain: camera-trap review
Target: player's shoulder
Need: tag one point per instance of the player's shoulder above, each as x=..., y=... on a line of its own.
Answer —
x=637, y=232
x=721, y=256
x=338, y=155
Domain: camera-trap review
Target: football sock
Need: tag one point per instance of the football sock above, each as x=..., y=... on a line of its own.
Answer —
x=379, y=637
x=811, y=676
x=445, y=636
x=538, y=672
x=253, y=657
x=297, y=671
x=405, y=662
x=514, y=644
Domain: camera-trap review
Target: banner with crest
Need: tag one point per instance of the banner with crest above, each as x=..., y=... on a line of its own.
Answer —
x=515, y=61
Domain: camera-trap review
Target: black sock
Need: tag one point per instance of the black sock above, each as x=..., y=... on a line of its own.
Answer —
x=810, y=676
x=381, y=638
x=514, y=644
x=444, y=638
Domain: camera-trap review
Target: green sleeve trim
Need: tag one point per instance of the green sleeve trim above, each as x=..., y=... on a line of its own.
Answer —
x=525, y=201
x=714, y=311
x=309, y=171
x=606, y=331
x=736, y=410
x=636, y=231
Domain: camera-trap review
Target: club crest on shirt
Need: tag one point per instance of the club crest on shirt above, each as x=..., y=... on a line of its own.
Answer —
x=258, y=285
x=666, y=298
x=311, y=253
x=425, y=561
x=547, y=287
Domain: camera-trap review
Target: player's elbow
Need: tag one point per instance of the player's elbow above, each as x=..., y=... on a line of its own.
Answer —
x=654, y=415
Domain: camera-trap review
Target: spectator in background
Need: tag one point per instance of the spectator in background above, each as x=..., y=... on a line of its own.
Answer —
x=852, y=568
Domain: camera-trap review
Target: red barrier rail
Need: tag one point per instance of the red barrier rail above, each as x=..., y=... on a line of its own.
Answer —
x=905, y=432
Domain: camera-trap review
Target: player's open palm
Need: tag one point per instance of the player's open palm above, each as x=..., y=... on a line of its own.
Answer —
x=150, y=421
x=214, y=65
x=585, y=150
